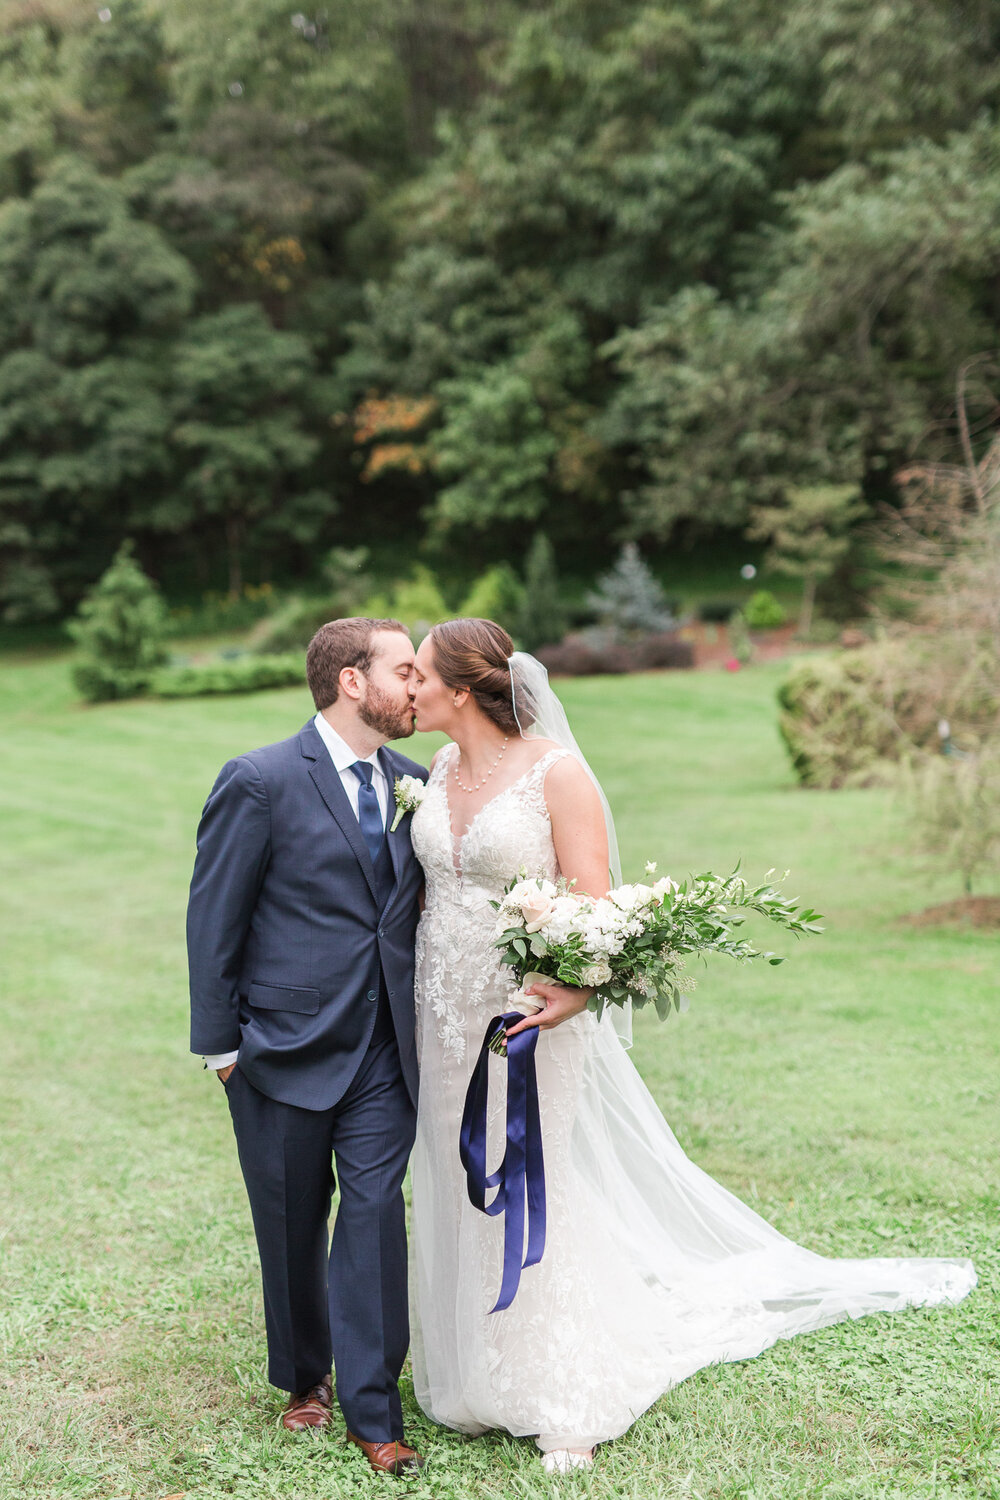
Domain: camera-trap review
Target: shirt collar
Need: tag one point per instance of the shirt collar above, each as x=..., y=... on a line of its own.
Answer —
x=340, y=751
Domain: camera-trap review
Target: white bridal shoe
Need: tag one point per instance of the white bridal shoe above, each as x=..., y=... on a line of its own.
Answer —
x=564, y=1460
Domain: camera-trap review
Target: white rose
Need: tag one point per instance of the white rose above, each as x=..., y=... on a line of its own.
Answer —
x=536, y=908
x=565, y=916
x=664, y=885
x=630, y=897
x=594, y=975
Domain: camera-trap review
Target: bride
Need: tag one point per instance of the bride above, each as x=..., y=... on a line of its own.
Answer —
x=651, y=1269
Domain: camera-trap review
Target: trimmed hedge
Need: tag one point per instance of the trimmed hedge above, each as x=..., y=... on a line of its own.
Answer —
x=241, y=674
x=578, y=657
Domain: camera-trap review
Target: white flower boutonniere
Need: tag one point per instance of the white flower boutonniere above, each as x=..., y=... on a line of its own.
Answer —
x=408, y=793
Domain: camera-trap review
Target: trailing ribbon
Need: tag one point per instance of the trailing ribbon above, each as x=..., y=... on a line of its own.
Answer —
x=520, y=1177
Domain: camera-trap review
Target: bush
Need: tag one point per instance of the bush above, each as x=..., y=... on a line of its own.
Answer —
x=544, y=617
x=715, y=611
x=590, y=656
x=846, y=718
x=496, y=595
x=576, y=657
x=763, y=612
x=293, y=626
x=663, y=650
x=953, y=812
x=120, y=632
x=418, y=602
x=218, y=612
x=243, y=674
x=628, y=600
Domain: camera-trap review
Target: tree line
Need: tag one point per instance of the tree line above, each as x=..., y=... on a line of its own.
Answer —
x=438, y=275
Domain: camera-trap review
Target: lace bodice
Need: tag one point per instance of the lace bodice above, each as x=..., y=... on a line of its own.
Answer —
x=510, y=831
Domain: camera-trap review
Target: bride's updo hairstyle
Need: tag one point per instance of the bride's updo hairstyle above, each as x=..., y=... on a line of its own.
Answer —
x=474, y=654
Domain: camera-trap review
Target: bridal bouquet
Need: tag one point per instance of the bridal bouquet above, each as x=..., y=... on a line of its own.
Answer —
x=633, y=943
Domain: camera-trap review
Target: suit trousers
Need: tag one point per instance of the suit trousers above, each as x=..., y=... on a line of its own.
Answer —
x=344, y=1308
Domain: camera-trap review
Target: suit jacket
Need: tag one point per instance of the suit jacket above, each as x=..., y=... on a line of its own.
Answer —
x=286, y=942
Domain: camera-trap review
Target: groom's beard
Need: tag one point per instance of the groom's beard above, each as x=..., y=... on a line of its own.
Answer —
x=380, y=713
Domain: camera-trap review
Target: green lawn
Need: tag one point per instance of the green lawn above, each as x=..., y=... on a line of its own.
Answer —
x=850, y=1095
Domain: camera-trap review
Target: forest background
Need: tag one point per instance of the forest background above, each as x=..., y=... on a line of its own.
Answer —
x=434, y=275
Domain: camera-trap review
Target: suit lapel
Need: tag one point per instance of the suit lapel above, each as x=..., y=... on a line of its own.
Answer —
x=399, y=843
x=327, y=778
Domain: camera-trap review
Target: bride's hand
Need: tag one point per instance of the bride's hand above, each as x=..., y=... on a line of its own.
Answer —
x=561, y=1002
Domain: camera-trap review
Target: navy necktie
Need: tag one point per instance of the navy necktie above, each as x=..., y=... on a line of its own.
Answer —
x=369, y=812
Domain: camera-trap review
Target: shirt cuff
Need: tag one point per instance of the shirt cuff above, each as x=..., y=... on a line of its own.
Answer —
x=220, y=1059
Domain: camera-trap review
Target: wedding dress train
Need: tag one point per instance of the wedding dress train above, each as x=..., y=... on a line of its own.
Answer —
x=651, y=1268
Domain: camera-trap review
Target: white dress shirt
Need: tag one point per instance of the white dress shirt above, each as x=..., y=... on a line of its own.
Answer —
x=343, y=758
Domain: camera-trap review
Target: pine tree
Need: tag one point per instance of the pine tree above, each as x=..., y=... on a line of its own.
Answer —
x=119, y=631
x=629, y=601
x=809, y=534
x=544, y=620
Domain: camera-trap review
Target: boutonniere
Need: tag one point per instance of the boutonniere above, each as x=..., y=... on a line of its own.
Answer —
x=408, y=793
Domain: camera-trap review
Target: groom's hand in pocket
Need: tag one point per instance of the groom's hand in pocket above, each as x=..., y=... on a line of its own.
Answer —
x=561, y=1002
x=223, y=1073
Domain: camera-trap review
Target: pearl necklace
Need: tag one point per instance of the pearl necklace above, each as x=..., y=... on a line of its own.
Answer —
x=477, y=784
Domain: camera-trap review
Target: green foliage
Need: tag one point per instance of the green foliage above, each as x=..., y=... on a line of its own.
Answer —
x=494, y=448
x=119, y=632
x=953, y=812
x=497, y=595
x=240, y=674
x=652, y=270
x=738, y=636
x=808, y=535
x=763, y=612
x=628, y=601
x=544, y=617
x=417, y=602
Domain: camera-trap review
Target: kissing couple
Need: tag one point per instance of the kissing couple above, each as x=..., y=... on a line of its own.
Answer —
x=341, y=945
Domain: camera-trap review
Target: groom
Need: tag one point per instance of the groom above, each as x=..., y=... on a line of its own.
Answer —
x=301, y=926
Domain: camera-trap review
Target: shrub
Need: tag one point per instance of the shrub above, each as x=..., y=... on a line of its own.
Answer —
x=763, y=612
x=589, y=656
x=544, y=617
x=663, y=650
x=576, y=657
x=629, y=600
x=496, y=595
x=715, y=611
x=242, y=674
x=953, y=812
x=293, y=626
x=738, y=636
x=119, y=631
x=846, y=718
x=418, y=602
x=218, y=612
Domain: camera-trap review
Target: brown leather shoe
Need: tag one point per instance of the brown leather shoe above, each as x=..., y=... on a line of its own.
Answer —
x=309, y=1408
x=390, y=1458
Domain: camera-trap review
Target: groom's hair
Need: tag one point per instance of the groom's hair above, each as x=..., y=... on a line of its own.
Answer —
x=340, y=644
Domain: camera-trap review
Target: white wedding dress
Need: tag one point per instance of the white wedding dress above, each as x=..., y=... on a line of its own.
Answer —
x=651, y=1269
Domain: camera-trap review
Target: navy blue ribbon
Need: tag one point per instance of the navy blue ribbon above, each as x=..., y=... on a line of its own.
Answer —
x=520, y=1177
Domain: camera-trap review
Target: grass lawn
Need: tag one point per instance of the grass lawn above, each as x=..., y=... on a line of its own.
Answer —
x=850, y=1095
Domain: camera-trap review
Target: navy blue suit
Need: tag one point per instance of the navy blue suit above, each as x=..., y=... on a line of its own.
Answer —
x=301, y=956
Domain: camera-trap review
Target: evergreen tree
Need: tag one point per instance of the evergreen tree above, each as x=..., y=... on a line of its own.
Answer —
x=544, y=619
x=119, y=631
x=808, y=536
x=496, y=595
x=629, y=601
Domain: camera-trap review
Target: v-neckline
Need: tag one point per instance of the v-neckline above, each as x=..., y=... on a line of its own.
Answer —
x=458, y=839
